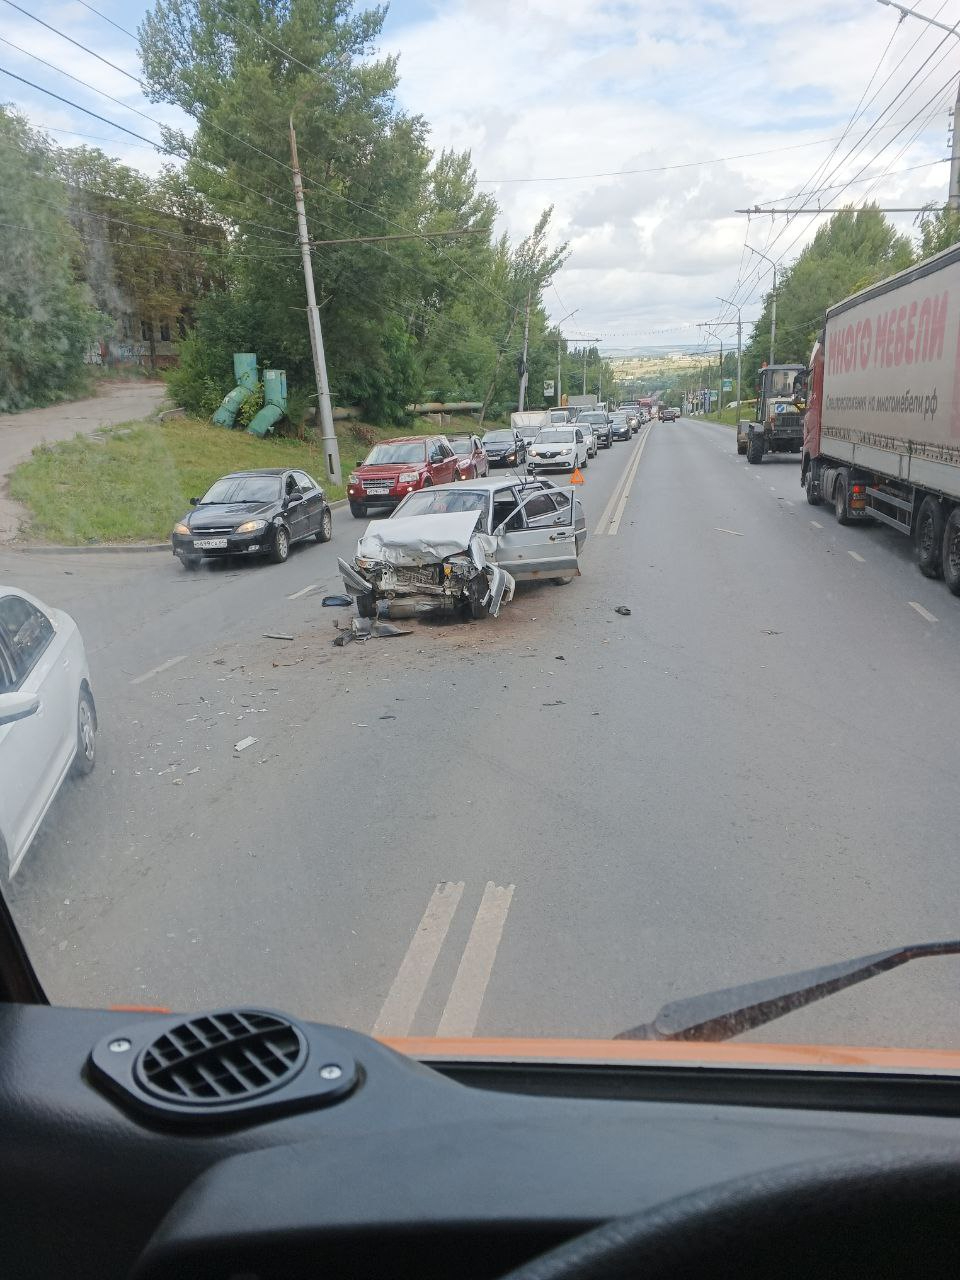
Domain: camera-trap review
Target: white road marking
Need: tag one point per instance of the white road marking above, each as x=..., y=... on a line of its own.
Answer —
x=733, y=531
x=604, y=522
x=924, y=613
x=304, y=591
x=462, y=1011
x=403, y=998
x=631, y=476
x=155, y=671
x=816, y=524
x=856, y=556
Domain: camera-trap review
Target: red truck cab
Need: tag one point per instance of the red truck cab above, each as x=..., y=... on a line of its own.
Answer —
x=394, y=468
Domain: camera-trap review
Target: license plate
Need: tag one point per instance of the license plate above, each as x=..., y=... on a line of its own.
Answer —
x=209, y=544
x=378, y=488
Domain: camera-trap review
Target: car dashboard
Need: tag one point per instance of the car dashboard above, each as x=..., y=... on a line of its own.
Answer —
x=394, y=1166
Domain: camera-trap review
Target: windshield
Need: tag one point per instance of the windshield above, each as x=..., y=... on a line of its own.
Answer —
x=414, y=451
x=311, y=756
x=438, y=501
x=244, y=489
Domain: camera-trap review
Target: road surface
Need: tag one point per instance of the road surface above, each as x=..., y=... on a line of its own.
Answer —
x=20, y=433
x=545, y=824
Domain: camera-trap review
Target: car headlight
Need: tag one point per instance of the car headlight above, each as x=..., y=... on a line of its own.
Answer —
x=564, y=452
x=408, y=477
x=183, y=529
x=353, y=478
x=251, y=526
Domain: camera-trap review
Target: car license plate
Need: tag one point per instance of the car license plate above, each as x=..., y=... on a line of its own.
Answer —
x=378, y=488
x=209, y=544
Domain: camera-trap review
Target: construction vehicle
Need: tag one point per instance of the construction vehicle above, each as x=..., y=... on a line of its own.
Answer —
x=777, y=424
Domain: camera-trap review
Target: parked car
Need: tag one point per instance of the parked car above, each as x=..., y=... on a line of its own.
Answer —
x=462, y=547
x=258, y=513
x=505, y=447
x=668, y=414
x=620, y=428
x=48, y=720
x=393, y=468
x=559, y=449
x=473, y=461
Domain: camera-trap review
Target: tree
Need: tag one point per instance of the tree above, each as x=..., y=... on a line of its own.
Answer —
x=939, y=229
x=47, y=317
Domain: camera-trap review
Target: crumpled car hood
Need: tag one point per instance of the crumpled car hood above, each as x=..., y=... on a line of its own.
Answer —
x=411, y=541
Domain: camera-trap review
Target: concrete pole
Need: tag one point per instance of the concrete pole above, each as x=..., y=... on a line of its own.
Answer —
x=526, y=343
x=953, y=200
x=330, y=447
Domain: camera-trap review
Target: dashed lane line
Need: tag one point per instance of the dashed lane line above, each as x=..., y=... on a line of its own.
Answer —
x=855, y=555
x=155, y=671
x=403, y=999
x=304, y=591
x=462, y=1010
x=924, y=613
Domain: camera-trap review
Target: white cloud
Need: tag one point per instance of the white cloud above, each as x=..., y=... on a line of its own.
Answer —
x=551, y=87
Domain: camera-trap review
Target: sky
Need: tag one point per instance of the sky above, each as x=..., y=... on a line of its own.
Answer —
x=724, y=105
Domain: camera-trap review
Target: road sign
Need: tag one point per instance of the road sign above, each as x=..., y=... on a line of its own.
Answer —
x=728, y=384
x=548, y=387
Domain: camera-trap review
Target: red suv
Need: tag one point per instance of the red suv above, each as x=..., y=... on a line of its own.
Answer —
x=394, y=468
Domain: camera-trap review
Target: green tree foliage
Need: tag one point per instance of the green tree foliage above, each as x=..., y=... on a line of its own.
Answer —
x=47, y=319
x=404, y=320
x=939, y=229
x=854, y=249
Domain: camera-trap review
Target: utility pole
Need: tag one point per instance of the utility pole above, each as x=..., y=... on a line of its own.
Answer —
x=330, y=447
x=584, y=370
x=526, y=343
x=559, y=323
x=773, y=309
x=739, y=344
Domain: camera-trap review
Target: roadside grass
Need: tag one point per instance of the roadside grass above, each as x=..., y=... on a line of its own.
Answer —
x=732, y=415
x=132, y=483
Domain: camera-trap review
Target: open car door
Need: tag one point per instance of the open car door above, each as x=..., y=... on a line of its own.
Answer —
x=538, y=539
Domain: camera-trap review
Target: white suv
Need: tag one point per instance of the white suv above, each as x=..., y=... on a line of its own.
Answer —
x=48, y=720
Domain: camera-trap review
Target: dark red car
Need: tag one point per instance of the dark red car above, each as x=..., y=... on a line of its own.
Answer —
x=472, y=457
x=394, y=468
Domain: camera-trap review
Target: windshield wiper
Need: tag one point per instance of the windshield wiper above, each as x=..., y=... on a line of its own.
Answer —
x=719, y=1015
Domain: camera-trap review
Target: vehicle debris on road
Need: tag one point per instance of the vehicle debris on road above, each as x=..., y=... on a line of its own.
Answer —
x=336, y=602
x=243, y=744
x=624, y=609
x=276, y=635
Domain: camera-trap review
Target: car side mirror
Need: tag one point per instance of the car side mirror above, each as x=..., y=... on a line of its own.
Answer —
x=194, y=502
x=17, y=706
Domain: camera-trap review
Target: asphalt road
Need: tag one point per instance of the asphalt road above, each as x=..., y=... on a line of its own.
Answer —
x=547, y=823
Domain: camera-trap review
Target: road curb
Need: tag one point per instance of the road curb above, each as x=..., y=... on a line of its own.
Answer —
x=106, y=548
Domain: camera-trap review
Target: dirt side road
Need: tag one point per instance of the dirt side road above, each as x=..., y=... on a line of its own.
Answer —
x=20, y=432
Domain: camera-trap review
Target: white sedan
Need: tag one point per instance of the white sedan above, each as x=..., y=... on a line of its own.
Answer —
x=48, y=720
x=558, y=449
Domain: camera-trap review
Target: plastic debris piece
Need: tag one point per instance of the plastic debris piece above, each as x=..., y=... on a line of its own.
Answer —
x=276, y=635
x=558, y=703
x=243, y=744
x=622, y=608
x=336, y=602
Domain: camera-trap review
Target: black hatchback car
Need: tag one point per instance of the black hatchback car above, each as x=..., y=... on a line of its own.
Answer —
x=253, y=513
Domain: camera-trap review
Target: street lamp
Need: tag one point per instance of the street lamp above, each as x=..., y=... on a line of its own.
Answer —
x=585, y=341
x=773, y=309
x=739, y=346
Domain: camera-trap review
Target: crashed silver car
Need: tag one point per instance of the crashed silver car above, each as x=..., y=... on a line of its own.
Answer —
x=462, y=547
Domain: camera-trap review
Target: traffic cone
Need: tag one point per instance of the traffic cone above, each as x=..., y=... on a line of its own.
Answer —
x=577, y=476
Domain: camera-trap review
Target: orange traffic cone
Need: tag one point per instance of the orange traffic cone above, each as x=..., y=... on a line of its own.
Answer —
x=577, y=476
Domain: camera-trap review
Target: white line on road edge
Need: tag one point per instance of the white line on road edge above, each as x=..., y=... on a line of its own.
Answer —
x=462, y=1011
x=924, y=613
x=304, y=591
x=629, y=477
x=155, y=671
x=816, y=524
x=733, y=531
x=403, y=998
x=856, y=556
x=604, y=522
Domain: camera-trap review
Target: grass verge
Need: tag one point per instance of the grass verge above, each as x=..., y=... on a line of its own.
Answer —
x=137, y=479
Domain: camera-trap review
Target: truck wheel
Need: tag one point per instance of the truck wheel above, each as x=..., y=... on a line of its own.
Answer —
x=951, y=551
x=840, y=508
x=755, y=450
x=929, y=544
x=811, y=488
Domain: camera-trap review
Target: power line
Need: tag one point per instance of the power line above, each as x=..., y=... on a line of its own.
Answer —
x=131, y=34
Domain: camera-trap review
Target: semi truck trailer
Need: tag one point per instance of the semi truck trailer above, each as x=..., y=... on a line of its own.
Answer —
x=882, y=427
